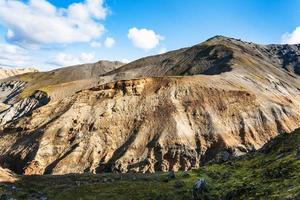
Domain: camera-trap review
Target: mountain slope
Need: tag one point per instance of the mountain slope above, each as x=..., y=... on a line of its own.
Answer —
x=240, y=95
x=18, y=93
x=65, y=81
x=214, y=56
x=271, y=173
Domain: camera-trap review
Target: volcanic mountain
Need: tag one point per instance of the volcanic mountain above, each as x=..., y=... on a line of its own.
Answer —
x=174, y=111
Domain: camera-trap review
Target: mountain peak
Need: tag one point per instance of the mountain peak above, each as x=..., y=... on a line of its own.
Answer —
x=220, y=38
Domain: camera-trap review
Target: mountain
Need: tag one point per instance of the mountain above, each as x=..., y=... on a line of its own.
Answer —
x=174, y=111
x=7, y=72
x=215, y=56
x=62, y=82
x=23, y=93
x=270, y=173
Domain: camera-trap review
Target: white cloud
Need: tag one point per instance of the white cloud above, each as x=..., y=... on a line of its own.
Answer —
x=63, y=59
x=95, y=44
x=109, y=42
x=11, y=55
x=144, y=38
x=40, y=22
x=291, y=38
x=162, y=50
x=125, y=60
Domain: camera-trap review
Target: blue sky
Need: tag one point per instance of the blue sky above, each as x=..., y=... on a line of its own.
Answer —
x=55, y=33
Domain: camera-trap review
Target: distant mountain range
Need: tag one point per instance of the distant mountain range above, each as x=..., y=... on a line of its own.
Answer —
x=7, y=71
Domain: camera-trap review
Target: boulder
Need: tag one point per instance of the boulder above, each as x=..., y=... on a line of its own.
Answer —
x=199, y=189
x=223, y=156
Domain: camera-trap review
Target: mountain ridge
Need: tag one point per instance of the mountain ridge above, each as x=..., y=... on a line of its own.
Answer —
x=174, y=111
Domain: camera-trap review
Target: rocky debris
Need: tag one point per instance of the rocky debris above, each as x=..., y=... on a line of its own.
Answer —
x=24, y=107
x=33, y=167
x=199, y=189
x=298, y=154
x=222, y=156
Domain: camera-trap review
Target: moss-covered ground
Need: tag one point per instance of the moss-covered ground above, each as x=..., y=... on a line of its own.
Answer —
x=271, y=173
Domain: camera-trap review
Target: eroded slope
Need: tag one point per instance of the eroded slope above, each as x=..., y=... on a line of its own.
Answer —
x=151, y=124
x=240, y=96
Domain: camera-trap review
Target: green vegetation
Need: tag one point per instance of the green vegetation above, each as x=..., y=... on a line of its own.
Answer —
x=271, y=173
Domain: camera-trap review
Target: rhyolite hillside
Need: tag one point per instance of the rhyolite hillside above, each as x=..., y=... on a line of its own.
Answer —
x=173, y=111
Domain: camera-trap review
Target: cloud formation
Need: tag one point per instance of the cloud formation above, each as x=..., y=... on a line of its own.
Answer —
x=95, y=44
x=109, y=42
x=291, y=38
x=64, y=59
x=40, y=22
x=11, y=55
x=162, y=50
x=144, y=38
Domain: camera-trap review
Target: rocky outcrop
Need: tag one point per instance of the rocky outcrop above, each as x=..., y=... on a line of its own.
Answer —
x=7, y=176
x=23, y=107
x=13, y=106
x=10, y=90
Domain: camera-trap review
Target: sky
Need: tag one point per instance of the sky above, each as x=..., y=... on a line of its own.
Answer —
x=48, y=34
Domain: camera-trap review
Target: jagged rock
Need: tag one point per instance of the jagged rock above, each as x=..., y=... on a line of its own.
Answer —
x=33, y=167
x=10, y=90
x=24, y=107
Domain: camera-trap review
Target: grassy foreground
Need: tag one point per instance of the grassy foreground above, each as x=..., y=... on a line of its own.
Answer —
x=271, y=173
